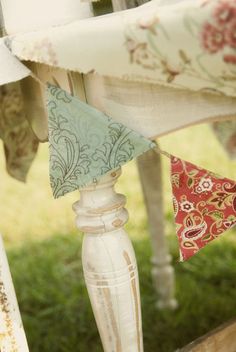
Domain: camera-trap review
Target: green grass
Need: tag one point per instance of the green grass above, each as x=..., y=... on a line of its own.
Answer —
x=56, y=309
x=44, y=253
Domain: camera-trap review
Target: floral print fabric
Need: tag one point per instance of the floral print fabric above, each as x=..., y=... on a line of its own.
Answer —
x=187, y=44
x=204, y=205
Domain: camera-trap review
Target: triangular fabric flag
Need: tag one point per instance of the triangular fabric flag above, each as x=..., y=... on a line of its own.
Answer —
x=204, y=205
x=85, y=144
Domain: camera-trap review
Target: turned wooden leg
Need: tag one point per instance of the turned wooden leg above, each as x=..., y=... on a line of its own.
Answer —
x=149, y=166
x=12, y=335
x=109, y=266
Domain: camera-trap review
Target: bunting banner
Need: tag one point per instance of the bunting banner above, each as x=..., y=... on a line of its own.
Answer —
x=85, y=144
x=204, y=205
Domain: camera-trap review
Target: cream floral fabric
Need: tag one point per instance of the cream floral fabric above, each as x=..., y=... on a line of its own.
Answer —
x=186, y=44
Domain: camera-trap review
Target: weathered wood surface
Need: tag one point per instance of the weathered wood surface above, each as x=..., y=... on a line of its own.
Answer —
x=12, y=335
x=222, y=339
x=109, y=266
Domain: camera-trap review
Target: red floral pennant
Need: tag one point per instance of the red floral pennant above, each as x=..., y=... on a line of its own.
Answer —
x=204, y=205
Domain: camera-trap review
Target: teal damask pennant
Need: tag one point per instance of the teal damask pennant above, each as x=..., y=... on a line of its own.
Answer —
x=84, y=143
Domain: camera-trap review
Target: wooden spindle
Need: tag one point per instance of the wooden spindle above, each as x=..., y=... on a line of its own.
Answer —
x=109, y=266
x=12, y=335
x=149, y=166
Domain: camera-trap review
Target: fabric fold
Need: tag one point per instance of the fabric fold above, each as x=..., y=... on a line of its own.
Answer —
x=11, y=69
x=20, y=143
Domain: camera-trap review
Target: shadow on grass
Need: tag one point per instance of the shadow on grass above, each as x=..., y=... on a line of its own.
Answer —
x=56, y=310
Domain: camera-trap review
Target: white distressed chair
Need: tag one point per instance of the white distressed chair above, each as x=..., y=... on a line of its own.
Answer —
x=12, y=335
x=150, y=174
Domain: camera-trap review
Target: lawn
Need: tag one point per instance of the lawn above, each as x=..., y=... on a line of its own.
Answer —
x=44, y=248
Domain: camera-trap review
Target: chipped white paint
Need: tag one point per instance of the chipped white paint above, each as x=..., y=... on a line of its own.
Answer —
x=12, y=335
x=149, y=165
x=109, y=265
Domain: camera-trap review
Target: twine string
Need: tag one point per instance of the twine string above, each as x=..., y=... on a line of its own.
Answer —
x=158, y=150
x=38, y=80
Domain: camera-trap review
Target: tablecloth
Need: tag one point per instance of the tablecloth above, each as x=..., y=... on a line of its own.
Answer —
x=183, y=44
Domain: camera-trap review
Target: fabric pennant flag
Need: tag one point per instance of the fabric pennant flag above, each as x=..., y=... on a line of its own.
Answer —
x=204, y=205
x=85, y=144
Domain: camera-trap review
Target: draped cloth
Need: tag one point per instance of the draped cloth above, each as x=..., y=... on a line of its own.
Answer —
x=20, y=143
x=169, y=43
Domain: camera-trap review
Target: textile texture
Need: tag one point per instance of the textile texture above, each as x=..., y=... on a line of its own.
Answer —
x=187, y=44
x=85, y=143
x=20, y=144
x=204, y=205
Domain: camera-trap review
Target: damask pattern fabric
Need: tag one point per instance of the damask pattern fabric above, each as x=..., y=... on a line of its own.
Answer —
x=187, y=44
x=84, y=143
x=204, y=205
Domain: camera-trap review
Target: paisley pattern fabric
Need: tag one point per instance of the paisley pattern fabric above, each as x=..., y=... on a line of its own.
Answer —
x=84, y=143
x=20, y=143
x=204, y=205
x=186, y=44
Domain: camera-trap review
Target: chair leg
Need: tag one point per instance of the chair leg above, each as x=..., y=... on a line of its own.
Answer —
x=12, y=334
x=109, y=266
x=149, y=167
